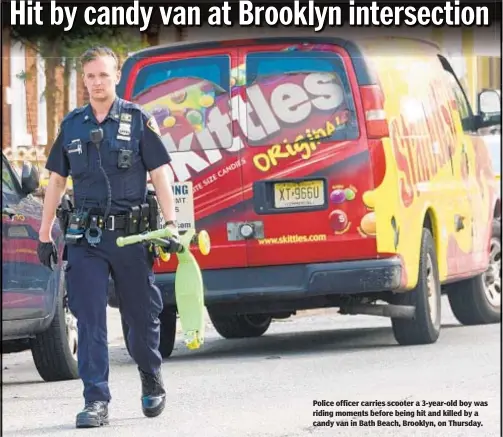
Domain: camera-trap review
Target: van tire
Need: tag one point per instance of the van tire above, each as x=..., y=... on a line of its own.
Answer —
x=469, y=299
x=168, y=332
x=424, y=328
x=240, y=325
x=54, y=358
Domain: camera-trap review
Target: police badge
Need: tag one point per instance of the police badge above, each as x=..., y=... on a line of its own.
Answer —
x=124, y=132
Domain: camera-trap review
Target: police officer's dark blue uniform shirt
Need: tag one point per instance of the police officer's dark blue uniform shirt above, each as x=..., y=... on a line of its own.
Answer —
x=127, y=127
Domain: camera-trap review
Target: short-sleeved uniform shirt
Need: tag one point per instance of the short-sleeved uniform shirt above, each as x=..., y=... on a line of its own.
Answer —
x=130, y=134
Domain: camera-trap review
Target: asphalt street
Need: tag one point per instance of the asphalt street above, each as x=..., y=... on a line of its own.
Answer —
x=266, y=387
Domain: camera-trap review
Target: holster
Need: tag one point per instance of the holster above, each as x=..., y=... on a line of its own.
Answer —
x=77, y=224
x=153, y=212
x=63, y=213
x=133, y=220
x=63, y=217
x=144, y=217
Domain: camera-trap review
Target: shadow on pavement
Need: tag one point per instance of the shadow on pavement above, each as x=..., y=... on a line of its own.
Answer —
x=69, y=427
x=278, y=344
x=43, y=430
x=17, y=383
x=282, y=344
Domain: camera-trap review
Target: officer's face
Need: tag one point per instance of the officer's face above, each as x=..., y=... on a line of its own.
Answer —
x=100, y=78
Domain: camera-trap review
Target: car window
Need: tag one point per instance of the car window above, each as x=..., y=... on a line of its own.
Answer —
x=463, y=105
x=10, y=191
x=493, y=143
x=295, y=96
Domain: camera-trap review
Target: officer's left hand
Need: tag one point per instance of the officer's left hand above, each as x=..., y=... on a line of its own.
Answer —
x=46, y=252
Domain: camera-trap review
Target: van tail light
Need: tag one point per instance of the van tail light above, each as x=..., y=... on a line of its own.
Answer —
x=375, y=116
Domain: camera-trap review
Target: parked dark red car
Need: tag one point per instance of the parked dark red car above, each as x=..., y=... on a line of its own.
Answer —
x=35, y=314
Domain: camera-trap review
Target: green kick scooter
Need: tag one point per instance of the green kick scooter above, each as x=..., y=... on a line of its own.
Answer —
x=189, y=287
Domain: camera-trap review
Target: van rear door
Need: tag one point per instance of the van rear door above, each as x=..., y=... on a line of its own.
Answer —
x=307, y=158
x=188, y=90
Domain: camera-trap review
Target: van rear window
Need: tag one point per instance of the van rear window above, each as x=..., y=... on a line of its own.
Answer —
x=296, y=95
x=190, y=100
x=199, y=103
x=214, y=69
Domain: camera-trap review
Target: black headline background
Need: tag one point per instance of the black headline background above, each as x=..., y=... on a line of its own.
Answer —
x=490, y=34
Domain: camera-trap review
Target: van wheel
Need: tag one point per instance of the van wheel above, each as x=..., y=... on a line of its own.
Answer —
x=477, y=301
x=168, y=332
x=241, y=325
x=54, y=351
x=424, y=328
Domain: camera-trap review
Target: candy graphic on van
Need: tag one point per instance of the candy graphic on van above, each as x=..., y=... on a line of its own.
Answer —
x=169, y=121
x=339, y=221
x=194, y=117
x=179, y=96
x=368, y=224
x=160, y=113
x=349, y=194
x=338, y=196
x=183, y=107
x=206, y=101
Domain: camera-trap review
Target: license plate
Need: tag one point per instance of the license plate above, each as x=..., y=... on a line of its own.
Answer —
x=298, y=194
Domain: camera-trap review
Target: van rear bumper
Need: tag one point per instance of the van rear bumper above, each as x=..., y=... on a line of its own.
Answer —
x=290, y=282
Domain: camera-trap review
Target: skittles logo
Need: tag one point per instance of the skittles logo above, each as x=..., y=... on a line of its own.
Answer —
x=423, y=144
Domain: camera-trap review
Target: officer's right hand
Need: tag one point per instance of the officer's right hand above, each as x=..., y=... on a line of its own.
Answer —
x=47, y=251
x=175, y=245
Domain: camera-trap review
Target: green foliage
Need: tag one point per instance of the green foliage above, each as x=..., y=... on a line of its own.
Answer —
x=54, y=43
x=121, y=40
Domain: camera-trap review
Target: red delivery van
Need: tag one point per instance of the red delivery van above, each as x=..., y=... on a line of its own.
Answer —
x=328, y=173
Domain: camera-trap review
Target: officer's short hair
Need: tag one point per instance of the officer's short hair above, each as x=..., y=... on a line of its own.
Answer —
x=95, y=52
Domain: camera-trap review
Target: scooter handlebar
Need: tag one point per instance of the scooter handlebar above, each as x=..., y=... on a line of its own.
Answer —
x=146, y=236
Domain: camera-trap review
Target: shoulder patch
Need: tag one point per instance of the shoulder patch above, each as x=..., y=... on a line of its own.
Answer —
x=153, y=126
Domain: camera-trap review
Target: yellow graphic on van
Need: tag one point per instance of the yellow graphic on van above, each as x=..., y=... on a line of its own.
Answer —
x=427, y=156
x=304, y=145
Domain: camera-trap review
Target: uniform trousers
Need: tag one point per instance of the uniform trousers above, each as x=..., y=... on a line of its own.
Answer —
x=140, y=303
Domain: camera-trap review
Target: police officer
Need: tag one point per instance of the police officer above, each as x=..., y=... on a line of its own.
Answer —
x=108, y=147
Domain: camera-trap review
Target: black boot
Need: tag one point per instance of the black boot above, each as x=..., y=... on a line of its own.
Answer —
x=94, y=414
x=153, y=398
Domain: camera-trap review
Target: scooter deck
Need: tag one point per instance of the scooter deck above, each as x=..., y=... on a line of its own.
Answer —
x=189, y=295
x=189, y=286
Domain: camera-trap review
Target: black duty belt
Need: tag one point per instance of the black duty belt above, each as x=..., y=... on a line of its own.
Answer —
x=134, y=221
x=113, y=223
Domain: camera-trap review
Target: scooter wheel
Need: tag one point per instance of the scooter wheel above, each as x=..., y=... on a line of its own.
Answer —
x=165, y=256
x=194, y=342
x=204, y=243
